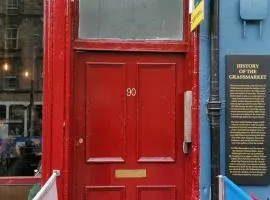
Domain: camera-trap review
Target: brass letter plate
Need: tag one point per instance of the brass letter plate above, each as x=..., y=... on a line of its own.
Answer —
x=130, y=173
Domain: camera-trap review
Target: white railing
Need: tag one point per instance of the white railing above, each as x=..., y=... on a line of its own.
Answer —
x=230, y=191
x=46, y=192
x=221, y=187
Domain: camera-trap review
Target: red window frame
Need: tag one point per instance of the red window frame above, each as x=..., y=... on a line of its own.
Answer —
x=19, y=180
x=129, y=45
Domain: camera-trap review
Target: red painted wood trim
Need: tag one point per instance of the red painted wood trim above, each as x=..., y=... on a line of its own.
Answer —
x=69, y=72
x=120, y=45
x=58, y=99
x=195, y=163
x=186, y=21
x=56, y=67
x=19, y=180
x=192, y=165
x=47, y=86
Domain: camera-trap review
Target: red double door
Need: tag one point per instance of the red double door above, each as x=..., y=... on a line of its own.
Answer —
x=129, y=126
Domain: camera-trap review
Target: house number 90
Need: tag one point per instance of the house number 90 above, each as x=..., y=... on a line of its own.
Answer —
x=131, y=92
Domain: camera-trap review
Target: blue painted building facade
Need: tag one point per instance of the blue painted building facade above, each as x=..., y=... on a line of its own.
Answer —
x=231, y=42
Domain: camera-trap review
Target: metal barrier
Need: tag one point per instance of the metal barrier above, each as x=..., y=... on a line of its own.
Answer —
x=230, y=191
x=41, y=195
x=221, y=187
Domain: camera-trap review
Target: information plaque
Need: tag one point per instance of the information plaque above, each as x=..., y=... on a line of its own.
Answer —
x=247, y=119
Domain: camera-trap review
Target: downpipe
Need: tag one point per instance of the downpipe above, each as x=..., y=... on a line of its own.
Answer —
x=214, y=105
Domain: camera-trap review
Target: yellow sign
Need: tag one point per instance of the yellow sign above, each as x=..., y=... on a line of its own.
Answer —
x=127, y=173
x=197, y=16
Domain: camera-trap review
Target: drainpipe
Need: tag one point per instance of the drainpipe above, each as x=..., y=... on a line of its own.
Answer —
x=214, y=104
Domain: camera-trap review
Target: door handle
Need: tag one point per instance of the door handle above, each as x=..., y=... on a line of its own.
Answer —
x=187, y=121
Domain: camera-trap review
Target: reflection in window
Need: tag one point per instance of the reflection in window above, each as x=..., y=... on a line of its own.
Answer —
x=21, y=58
x=37, y=120
x=20, y=152
x=11, y=38
x=9, y=82
x=3, y=125
x=2, y=113
x=16, y=120
x=12, y=4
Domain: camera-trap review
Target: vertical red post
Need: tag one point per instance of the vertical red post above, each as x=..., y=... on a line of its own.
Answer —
x=57, y=93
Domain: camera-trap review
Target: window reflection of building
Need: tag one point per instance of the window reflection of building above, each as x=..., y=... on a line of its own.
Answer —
x=14, y=127
x=21, y=23
x=2, y=113
x=16, y=120
x=38, y=120
x=12, y=4
x=21, y=37
x=11, y=38
x=3, y=125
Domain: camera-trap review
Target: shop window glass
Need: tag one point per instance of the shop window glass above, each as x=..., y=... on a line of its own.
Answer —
x=12, y=7
x=16, y=120
x=12, y=4
x=9, y=82
x=2, y=113
x=3, y=125
x=37, y=126
x=11, y=38
x=18, y=145
x=21, y=58
x=131, y=19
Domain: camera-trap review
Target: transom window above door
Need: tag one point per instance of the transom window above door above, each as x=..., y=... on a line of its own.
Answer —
x=131, y=19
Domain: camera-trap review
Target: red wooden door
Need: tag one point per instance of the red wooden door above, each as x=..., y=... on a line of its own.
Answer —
x=129, y=126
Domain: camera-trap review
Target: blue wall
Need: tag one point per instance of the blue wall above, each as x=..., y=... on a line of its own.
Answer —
x=231, y=42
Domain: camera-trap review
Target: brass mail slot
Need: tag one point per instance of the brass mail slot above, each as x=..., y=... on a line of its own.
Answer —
x=130, y=173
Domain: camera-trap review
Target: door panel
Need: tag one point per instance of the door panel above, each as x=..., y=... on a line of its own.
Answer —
x=105, y=193
x=129, y=117
x=157, y=193
x=106, y=111
x=156, y=103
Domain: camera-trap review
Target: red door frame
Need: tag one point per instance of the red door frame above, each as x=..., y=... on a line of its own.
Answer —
x=58, y=97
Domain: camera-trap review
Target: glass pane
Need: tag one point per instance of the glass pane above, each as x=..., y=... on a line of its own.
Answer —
x=21, y=58
x=131, y=19
x=2, y=113
x=16, y=120
x=37, y=123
